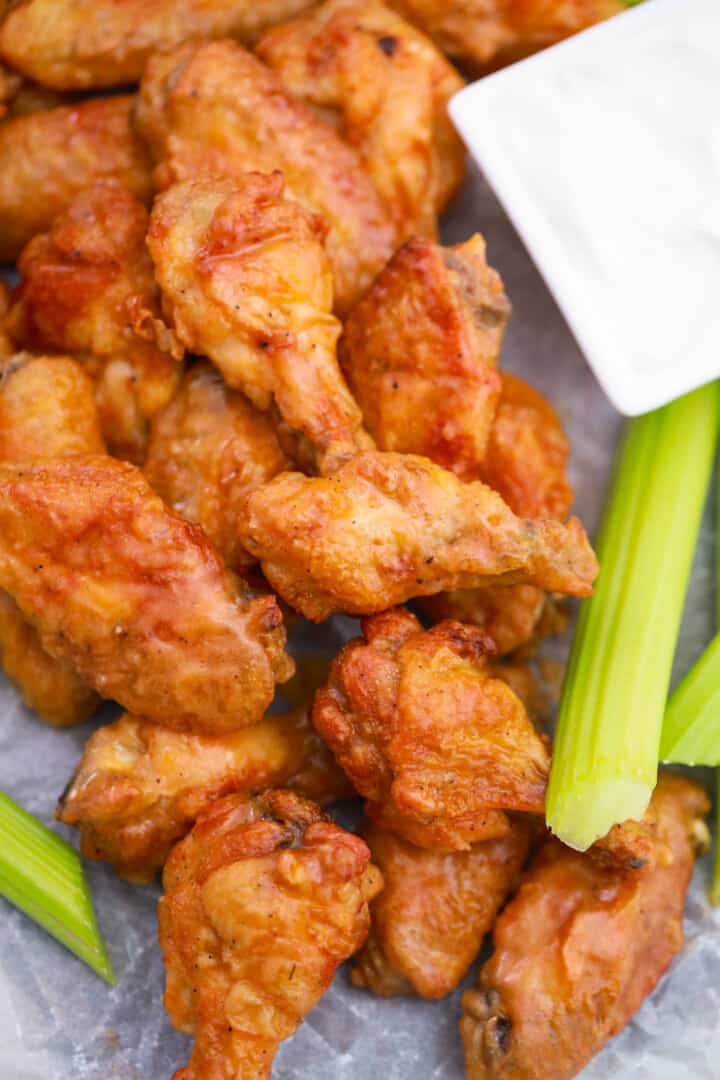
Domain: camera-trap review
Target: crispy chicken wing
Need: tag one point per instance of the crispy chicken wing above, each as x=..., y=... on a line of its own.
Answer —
x=526, y=462
x=140, y=786
x=579, y=948
x=80, y=44
x=386, y=87
x=429, y=921
x=48, y=157
x=215, y=108
x=486, y=34
x=262, y=901
x=136, y=598
x=388, y=527
x=438, y=746
x=47, y=409
x=420, y=353
x=88, y=288
x=18, y=96
x=207, y=449
x=246, y=281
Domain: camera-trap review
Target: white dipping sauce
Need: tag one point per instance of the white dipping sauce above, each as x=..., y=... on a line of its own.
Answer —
x=605, y=151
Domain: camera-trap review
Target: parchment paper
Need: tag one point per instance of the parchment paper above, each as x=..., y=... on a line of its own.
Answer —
x=59, y=1022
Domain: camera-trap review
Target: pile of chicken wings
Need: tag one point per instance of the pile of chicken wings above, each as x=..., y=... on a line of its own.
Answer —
x=242, y=384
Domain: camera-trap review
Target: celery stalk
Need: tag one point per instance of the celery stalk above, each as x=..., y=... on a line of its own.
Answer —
x=42, y=875
x=608, y=733
x=691, y=728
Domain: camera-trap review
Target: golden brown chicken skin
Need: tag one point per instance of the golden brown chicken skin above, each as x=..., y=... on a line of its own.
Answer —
x=438, y=746
x=389, y=527
x=420, y=353
x=246, y=281
x=140, y=786
x=579, y=948
x=134, y=597
x=47, y=409
x=485, y=34
x=386, y=87
x=216, y=109
x=48, y=157
x=429, y=921
x=207, y=449
x=263, y=900
x=84, y=44
x=88, y=288
x=19, y=96
x=526, y=462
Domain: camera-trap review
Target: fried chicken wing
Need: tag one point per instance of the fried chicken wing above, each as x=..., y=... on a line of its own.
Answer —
x=420, y=353
x=207, y=449
x=48, y=157
x=84, y=44
x=485, y=34
x=216, y=109
x=429, y=921
x=263, y=900
x=136, y=598
x=579, y=948
x=388, y=527
x=526, y=462
x=386, y=87
x=246, y=281
x=47, y=409
x=19, y=97
x=88, y=288
x=140, y=786
x=438, y=746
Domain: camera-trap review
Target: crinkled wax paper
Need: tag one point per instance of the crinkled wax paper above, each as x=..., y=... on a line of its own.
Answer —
x=59, y=1022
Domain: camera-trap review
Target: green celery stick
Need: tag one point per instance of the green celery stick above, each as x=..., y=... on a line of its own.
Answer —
x=608, y=733
x=691, y=728
x=42, y=875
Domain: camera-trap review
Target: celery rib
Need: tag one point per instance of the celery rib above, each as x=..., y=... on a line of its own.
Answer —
x=608, y=733
x=691, y=729
x=42, y=875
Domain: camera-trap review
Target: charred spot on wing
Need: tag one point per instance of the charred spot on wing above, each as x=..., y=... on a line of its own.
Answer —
x=388, y=44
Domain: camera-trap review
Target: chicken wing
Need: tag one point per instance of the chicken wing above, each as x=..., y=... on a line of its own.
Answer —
x=438, y=746
x=429, y=921
x=262, y=901
x=579, y=948
x=136, y=598
x=88, y=288
x=420, y=353
x=215, y=108
x=48, y=157
x=246, y=280
x=386, y=87
x=140, y=787
x=207, y=449
x=485, y=34
x=47, y=409
x=526, y=462
x=18, y=96
x=388, y=527
x=84, y=44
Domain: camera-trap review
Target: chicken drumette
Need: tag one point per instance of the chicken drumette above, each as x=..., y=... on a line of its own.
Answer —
x=48, y=157
x=420, y=352
x=246, y=281
x=388, y=527
x=215, y=109
x=84, y=44
x=140, y=786
x=207, y=449
x=135, y=598
x=88, y=288
x=429, y=921
x=47, y=410
x=386, y=87
x=579, y=948
x=438, y=746
x=262, y=901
